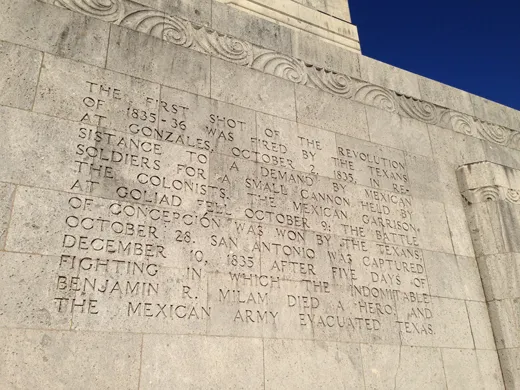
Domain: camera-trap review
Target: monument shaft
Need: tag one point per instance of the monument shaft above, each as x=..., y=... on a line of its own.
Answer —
x=227, y=194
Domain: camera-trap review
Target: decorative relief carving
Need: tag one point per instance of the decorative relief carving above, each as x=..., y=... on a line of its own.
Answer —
x=107, y=10
x=377, y=97
x=491, y=194
x=458, y=122
x=224, y=46
x=493, y=133
x=129, y=14
x=281, y=66
x=418, y=109
x=170, y=29
x=328, y=81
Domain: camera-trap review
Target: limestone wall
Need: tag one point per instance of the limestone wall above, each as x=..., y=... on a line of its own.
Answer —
x=189, y=205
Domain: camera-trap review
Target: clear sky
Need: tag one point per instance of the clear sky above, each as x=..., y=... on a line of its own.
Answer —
x=473, y=45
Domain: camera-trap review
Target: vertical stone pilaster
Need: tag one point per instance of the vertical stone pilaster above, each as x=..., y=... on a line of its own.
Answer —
x=492, y=193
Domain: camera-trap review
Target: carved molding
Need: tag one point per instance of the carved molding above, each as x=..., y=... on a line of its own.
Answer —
x=181, y=32
x=491, y=194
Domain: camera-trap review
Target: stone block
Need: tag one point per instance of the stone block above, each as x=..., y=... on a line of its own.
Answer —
x=39, y=359
x=211, y=125
x=495, y=113
x=462, y=369
x=198, y=11
x=440, y=322
x=445, y=96
x=500, y=275
x=388, y=76
x=490, y=369
x=314, y=50
x=305, y=148
x=158, y=61
x=249, y=27
x=24, y=136
x=432, y=226
x=393, y=130
x=30, y=305
x=480, y=325
x=197, y=362
x=54, y=30
x=510, y=370
x=232, y=84
x=402, y=367
x=20, y=70
x=299, y=361
x=451, y=276
x=424, y=177
x=6, y=202
x=455, y=148
x=328, y=112
x=502, y=155
x=95, y=96
x=505, y=319
x=460, y=235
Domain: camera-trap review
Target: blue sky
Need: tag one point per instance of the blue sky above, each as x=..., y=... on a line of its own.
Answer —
x=473, y=45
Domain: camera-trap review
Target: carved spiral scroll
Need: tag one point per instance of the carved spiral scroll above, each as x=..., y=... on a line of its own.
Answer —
x=459, y=122
x=377, y=97
x=329, y=81
x=493, y=133
x=418, y=109
x=107, y=10
x=281, y=66
x=225, y=46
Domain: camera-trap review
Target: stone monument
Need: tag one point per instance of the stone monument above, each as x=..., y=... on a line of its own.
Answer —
x=225, y=194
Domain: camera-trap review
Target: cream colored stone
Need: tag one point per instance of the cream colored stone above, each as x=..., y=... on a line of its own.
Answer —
x=54, y=30
x=462, y=369
x=323, y=53
x=495, y=113
x=272, y=95
x=432, y=223
x=6, y=202
x=445, y=96
x=460, y=235
x=505, y=319
x=389, y=76
x=302, y=18
x=325, y=111
x=455, y=148
x=451, y=276
x=251, y=28
x=201, y=362
x=95, y=96
x=20, y=69
x=439, y=323
x=402, y=133
x=28, y=300
x=402, y=367
x=304, y=148
x=480, y=325
x=304, y=359
x=158, y=61
x=500, y=275
x=198, y=11
x=424, y=177
x=36, y=359
x=510, y=369
x=490, y=369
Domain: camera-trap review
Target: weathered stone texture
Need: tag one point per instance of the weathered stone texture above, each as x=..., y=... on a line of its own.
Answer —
x=192, y=196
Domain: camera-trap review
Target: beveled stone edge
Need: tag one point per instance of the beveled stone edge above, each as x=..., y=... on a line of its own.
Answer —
x=203, y=39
